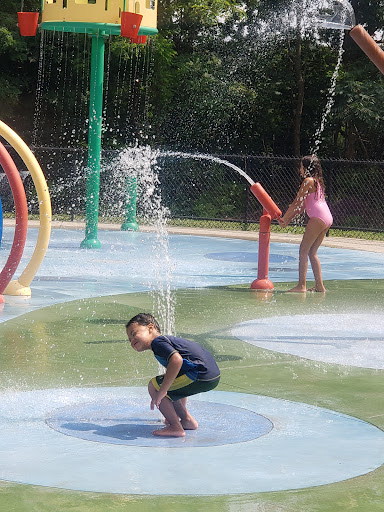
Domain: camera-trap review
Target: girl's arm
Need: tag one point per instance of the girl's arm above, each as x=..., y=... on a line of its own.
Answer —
x=171, y=373
x=307, y=187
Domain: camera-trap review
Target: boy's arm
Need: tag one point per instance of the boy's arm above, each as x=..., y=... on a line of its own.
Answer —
x=171, y=373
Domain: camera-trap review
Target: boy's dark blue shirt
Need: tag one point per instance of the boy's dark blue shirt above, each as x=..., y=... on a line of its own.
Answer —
x=198, y=363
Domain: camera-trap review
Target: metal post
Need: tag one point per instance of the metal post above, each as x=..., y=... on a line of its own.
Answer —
x=130, y=223
x=94, y=142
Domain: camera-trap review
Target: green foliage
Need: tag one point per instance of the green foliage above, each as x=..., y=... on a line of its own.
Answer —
x=7, y=41
x=165, y=70
x=228, y=202
x=356, y=119
x=208, y=82
x=205, y=110
x=18, y=59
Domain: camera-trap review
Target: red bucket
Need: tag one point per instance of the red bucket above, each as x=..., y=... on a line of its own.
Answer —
x=139, y=39
x=130, y=24
x=28, y=23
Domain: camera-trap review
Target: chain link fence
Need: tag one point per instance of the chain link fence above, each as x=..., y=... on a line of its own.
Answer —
x=217, y=195
x=208, y=191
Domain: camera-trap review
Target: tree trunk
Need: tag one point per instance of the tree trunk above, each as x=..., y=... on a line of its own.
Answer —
x=299, y=99
x=350, y=141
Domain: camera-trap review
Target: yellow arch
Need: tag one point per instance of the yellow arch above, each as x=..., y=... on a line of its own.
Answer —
x=21, y=286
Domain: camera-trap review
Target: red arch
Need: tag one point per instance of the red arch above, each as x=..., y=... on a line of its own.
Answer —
x=21, y=226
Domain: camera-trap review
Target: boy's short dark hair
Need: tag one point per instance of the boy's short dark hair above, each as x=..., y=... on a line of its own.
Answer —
x=144, y=319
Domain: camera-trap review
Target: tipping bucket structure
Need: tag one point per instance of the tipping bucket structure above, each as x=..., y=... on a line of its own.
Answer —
x=133, y=19
x=28, y=22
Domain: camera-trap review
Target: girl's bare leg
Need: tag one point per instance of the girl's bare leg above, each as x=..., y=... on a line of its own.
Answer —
x=187, y=420
x=174, y=427
x=312, y=233
x=315, y=263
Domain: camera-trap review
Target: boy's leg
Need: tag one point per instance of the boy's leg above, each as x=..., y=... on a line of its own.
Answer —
x=187, y=420
x=174, y=427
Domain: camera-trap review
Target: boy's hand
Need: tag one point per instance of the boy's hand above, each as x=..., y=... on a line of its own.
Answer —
x=173, y=368
x=155, y=402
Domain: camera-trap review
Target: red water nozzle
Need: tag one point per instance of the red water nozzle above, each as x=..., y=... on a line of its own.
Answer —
x=266, y=201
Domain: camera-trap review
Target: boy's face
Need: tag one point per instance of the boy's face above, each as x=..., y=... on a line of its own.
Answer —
x=141, y=336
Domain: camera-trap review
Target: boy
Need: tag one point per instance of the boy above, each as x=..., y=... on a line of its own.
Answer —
x=190, y=369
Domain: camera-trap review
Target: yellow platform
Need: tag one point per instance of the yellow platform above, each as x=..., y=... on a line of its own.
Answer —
x=76, y=15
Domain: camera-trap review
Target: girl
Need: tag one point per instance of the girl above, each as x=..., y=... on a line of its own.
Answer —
x=310, y=198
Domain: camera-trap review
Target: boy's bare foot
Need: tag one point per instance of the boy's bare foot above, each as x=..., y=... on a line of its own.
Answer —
x=315, y=289
x=297, y=289
x=169, y=431
x=190, y=424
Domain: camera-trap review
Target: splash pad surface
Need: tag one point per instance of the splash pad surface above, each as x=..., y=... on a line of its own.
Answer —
x=261, y=456
x=126, y=263
x=333, y=338
x=70, y=338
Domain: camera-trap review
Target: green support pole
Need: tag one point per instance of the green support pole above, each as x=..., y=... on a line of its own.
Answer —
x=130, y=223
x=94, y=143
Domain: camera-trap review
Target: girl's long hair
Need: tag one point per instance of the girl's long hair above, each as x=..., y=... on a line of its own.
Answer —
x=313, y=169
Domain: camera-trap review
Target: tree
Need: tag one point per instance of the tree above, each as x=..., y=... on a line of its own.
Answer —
x=222, y=76
x=18, y=66
x=356, y=124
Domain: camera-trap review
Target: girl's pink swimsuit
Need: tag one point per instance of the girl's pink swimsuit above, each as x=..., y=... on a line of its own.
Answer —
x=316, y=206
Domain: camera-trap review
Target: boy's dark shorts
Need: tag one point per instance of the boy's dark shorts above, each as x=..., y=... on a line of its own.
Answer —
x=183, y=386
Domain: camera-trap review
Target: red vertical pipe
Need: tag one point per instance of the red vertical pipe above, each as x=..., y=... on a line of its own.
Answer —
x=271, y=211
x=262, y=282
x=21, y=211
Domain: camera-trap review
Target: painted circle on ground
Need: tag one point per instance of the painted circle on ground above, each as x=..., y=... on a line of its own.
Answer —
x=308, y=446
x=131, y=423
x=247, y=257
x=345, y=339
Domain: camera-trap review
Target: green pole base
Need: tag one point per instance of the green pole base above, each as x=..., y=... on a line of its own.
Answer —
x=90, y=243
x=130, y=226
